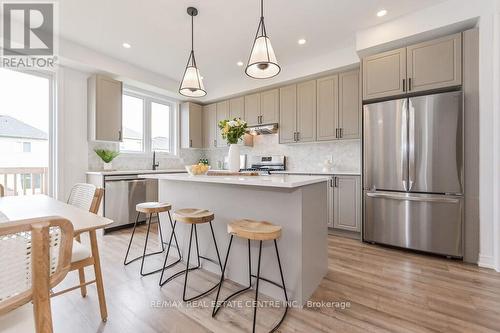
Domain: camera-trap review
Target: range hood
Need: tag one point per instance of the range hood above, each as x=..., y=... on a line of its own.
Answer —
x=263, y=129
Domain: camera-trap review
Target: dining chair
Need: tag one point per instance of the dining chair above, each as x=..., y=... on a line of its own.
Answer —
x=35, y=255
x=87, y=197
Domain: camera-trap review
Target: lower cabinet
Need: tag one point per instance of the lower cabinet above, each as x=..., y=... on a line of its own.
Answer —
x=344, y=203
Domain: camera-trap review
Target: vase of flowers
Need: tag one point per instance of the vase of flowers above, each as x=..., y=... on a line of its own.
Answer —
x=107, y=156
x=232, y=131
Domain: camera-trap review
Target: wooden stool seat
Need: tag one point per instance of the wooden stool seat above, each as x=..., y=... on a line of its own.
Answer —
x=193, y=215
x=153, y=207
x=254, y=230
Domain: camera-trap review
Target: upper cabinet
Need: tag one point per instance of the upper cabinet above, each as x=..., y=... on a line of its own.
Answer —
x=306, y=111
x=288, y=114
x=327, y=108
x=384, y=74
x=349, y=119
x=269, y=106
x=434, y=64
x=237, y=108
x=222, y=113
x=191, y=125
x=209, y=124
x=339, y=107
x=252, y=109
x=105, y=108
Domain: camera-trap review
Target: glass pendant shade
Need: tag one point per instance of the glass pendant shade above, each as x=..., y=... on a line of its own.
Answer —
x=192, y=83
x=262, y=63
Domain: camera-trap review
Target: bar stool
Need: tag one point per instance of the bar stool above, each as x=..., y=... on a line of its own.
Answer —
x=259, y=231
x=151, y=208
x=192, y=216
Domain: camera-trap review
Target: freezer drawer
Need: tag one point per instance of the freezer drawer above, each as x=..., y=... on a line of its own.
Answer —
x=425, y=222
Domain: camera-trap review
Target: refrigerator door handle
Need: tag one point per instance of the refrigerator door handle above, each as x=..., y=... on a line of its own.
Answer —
x=411, y=146
x=404, y=196
x=404, y=146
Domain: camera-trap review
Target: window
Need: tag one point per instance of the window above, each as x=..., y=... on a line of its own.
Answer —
x=132, y=123
x=26, y=147
x=147, y=123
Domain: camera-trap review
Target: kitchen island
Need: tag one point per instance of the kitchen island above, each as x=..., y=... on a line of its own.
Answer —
x=297, y=203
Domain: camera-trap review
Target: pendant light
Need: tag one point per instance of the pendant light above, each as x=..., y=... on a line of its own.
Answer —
x=192, y=84
x=262, y=63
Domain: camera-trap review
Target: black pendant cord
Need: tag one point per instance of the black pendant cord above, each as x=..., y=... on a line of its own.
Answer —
x=192, y=34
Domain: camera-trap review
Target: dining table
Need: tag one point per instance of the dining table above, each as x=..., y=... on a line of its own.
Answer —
x=14, y=208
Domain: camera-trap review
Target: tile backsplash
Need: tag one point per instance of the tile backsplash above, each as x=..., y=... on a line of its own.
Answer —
x=345, y=154
x=139, y=161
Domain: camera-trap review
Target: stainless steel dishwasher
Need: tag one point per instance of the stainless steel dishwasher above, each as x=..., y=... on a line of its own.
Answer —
x=122, y=194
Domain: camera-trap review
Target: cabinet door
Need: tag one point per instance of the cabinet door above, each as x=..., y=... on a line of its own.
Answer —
x=329, y=198
x=435, y=64
x=347, y=208
x=209, y=114
x=252, y=109
x=191, y=125
x=327, y=108
x=384, y=74
x=237, y=108
x=306, y=111
x=349, y=105
x=108, y=109
x=269, y=106
x=288, y=113
x=222, y=113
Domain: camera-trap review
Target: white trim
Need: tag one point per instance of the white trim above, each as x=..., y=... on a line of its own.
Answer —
x=486, y=262
x=149, y=98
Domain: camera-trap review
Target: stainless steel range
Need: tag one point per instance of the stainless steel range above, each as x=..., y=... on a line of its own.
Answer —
x=266, y=163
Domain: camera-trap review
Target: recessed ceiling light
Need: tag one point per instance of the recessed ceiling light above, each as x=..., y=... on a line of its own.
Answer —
x=126, y=45
x=239, y=63
x=381, y=12
x=301, y=41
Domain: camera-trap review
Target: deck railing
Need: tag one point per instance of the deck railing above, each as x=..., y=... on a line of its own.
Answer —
x=24, y=180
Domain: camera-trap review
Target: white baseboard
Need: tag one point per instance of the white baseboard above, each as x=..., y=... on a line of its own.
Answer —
x=487, y=262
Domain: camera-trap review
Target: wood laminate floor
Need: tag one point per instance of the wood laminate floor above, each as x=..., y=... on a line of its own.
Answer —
x=376, y=289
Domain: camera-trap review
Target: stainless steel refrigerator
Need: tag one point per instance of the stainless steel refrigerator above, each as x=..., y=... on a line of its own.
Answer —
x=413, y=173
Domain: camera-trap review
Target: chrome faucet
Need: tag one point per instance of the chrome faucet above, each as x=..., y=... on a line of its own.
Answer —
x=155, y=164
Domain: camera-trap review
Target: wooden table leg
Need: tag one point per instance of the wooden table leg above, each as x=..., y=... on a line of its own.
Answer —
x=81, y=274
x=98, y=275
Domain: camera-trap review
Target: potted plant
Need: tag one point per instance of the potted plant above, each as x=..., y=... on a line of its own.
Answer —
x=107, y=156
x=232, y=131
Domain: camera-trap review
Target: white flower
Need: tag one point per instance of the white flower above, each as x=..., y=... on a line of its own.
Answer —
x=232, y=123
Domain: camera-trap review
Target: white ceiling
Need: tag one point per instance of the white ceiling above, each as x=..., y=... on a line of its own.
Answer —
x=159, y=32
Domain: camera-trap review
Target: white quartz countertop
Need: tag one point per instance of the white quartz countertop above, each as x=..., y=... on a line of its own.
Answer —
x=280, y=181
x=329, y=173
x=134, y=172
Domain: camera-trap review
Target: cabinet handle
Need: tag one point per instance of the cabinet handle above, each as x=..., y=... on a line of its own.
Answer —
x=409, y=84
x=120, y=135
x=215, y=143
x=298, y=137
x=341, y=132
x=336, y=181
x=331, y=182
x=336, y=133
x=190, y=143
x=404, y=85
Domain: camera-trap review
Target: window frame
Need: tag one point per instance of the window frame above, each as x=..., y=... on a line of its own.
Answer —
x=147, y=141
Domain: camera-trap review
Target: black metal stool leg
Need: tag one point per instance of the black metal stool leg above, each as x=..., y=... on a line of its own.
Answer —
x=257, y=288
x=159, y=230
x=175, y=237
x=130, y=242
x=165, y=266
x=284, y=287
x=216, y=305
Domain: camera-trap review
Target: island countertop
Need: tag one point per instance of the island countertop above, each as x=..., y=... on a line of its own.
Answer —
x=280, y=181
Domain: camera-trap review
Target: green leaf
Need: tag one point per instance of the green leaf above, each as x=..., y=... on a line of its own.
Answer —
x=106, y=155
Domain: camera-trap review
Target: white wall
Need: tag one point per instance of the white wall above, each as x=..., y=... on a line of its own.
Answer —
x=72, y=147
x=445, y=16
